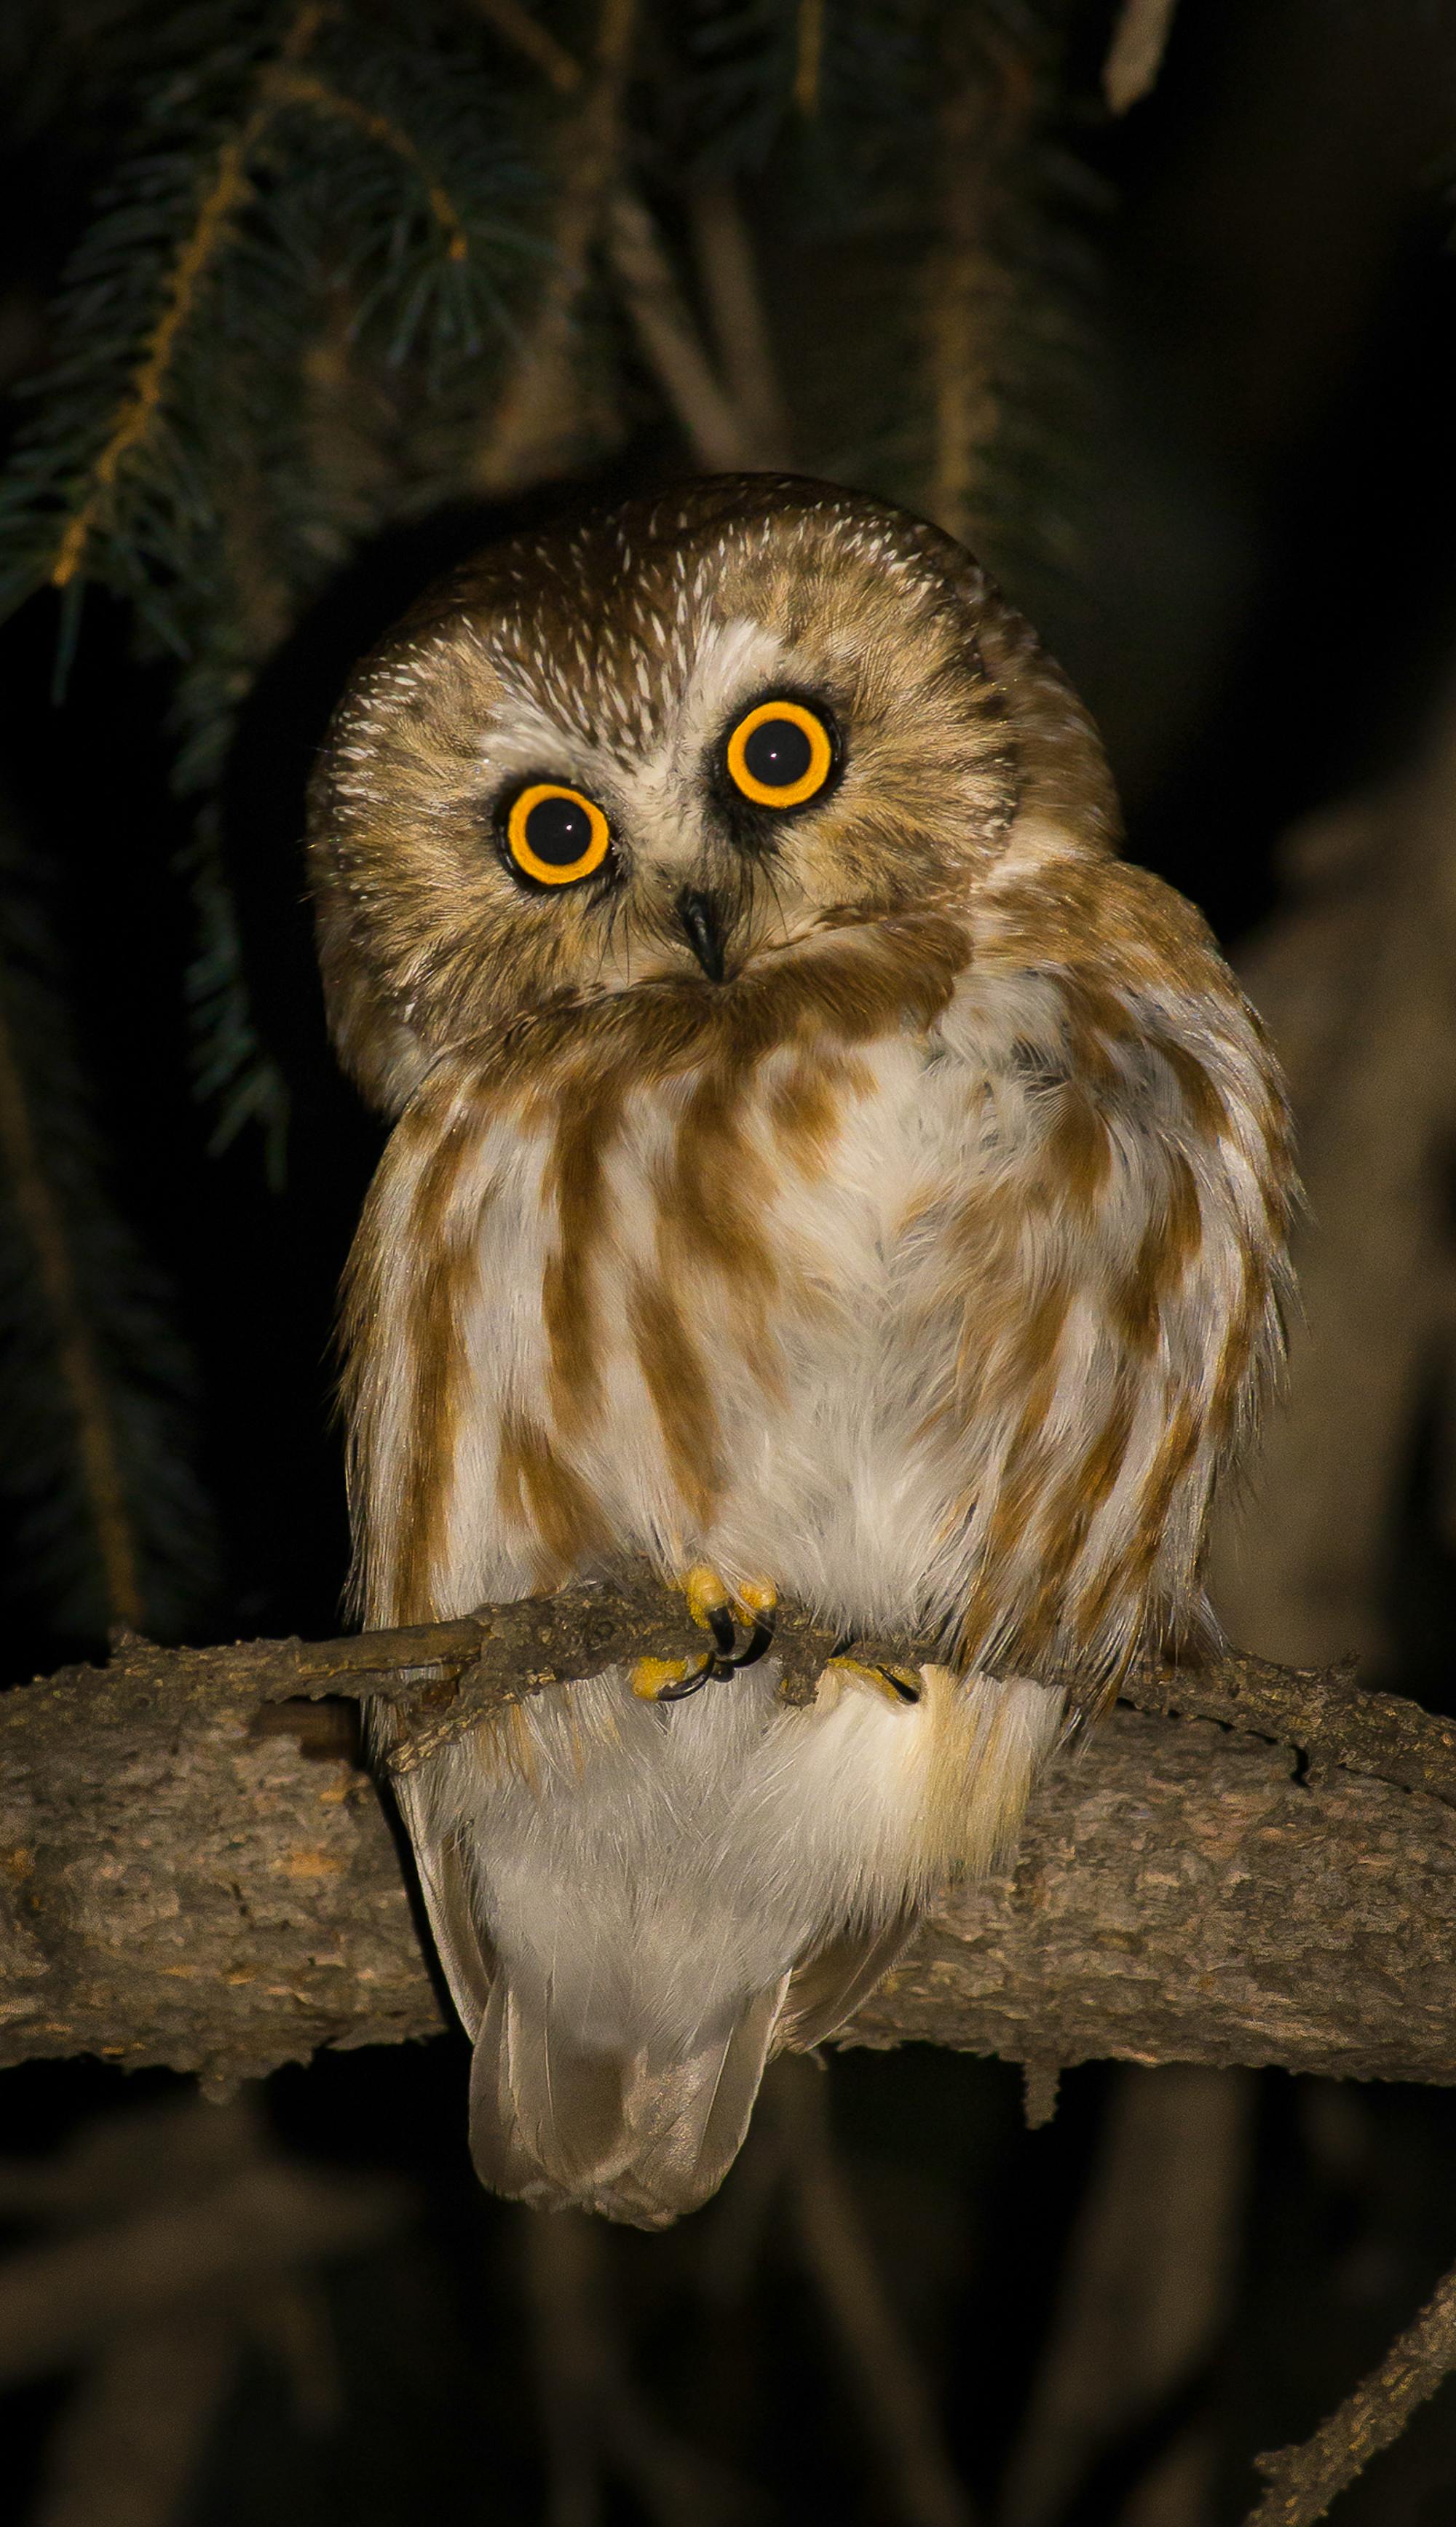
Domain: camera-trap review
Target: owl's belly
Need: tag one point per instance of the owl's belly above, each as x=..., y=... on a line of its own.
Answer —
x=767, y=1363
x=841, y=1494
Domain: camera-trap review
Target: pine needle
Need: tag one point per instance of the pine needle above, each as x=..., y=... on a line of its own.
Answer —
x=224, y=197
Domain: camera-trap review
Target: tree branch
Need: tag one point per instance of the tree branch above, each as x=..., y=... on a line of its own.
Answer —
x=716, y=431
x=724, y=256
x=195, y=1871
x=536, y=422
x=891, y=2395
x=1135, y=54
x=228, y=189
x=1303, y=2481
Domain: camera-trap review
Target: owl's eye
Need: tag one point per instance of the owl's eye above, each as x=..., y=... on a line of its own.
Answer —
x=554, y=834
x=780, y=754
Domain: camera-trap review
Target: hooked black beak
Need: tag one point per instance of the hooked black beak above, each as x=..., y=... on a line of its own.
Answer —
x=703, y=921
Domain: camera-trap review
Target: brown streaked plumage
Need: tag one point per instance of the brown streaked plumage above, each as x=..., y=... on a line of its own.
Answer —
x=882, y=1194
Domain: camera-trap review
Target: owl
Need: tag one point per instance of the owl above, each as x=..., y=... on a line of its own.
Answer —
x=820, y=1165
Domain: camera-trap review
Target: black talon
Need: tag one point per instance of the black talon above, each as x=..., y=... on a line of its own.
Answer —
x=759, y=1639
x=692, y=1682
x=897, y=1685
x=725, y=1657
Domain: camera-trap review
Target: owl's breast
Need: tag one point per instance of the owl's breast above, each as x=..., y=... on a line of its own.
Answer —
x=716, y=1341
x=944, y=1309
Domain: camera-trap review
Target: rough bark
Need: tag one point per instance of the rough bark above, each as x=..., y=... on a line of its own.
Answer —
x=195, y=1871
x=1182, y=1896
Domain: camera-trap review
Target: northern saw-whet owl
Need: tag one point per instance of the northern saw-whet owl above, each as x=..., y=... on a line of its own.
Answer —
x=820, y=1164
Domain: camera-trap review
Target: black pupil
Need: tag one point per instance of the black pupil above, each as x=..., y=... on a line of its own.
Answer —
x=778, y=753
x=558, y=831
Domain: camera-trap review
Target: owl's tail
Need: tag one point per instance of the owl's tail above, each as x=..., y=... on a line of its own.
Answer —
x=641, y=2135
x=644, y=2136
x=636, y=2139
x=634, y=1925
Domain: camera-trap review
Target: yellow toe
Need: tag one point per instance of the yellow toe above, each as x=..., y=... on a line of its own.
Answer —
x=651, y=1674
x=706, y=1594
x=897, y=1684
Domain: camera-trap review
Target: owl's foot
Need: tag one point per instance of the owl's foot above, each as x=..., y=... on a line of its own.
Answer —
x=897, y=1682
x=719, y=1610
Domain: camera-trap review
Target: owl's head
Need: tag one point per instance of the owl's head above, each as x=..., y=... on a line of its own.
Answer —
x=666, y=742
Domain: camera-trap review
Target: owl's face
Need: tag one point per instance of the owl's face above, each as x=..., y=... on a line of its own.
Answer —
x=646, y=753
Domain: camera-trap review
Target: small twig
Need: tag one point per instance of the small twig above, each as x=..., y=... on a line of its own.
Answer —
x=716, y=431
x=983, y=120
x=445, y=1678
x=134, y=2434
x=1135, y=54
x=730, y=284
x=300, y=87
x=515, y=25
x=886, y=2375
x=1141, y=2303
x=557, y=2259
x=597, y=2422
x=1303, y=2481
x=57, y=2299
x=76, y=1357
x=507, y=1652
x=230, y=189
x=808, y=49
x=532, y=427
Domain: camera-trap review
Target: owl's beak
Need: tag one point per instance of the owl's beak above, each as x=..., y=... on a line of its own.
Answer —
x=702, y=920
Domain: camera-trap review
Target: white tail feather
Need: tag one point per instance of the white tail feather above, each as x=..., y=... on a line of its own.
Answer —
x=640, y=1905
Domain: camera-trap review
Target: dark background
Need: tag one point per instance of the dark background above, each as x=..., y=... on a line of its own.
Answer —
x=1260, y=607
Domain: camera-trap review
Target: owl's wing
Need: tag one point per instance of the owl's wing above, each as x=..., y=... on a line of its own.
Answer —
x=1112, y=1254
x=444, y=1374
x=828, y=1987
x=461, y=1943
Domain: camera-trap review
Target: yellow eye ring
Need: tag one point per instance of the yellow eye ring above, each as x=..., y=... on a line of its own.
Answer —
x=806, y=751
x=554, y=834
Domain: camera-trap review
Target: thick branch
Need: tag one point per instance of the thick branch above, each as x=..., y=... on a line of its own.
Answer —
x=194, y=1870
